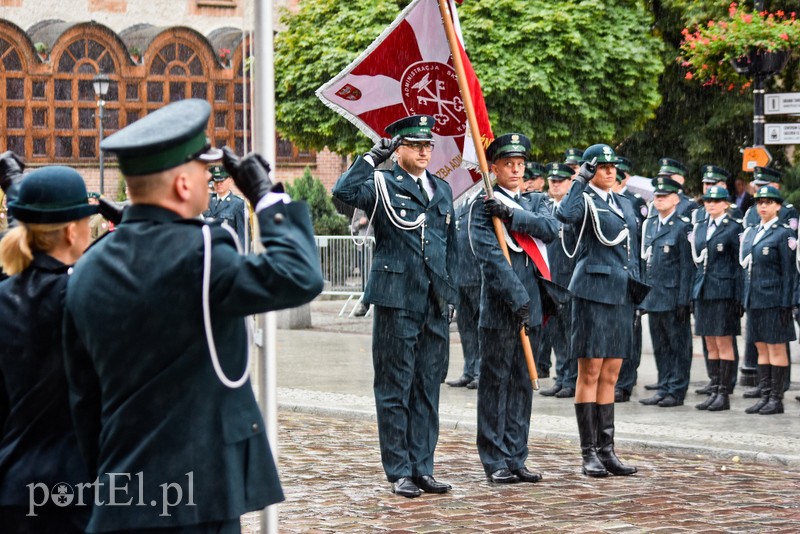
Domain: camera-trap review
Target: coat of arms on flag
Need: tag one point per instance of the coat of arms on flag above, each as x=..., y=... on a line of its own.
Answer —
x=408, y=70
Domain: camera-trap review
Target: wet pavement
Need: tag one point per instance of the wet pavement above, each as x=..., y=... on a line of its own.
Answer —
x=699, y=471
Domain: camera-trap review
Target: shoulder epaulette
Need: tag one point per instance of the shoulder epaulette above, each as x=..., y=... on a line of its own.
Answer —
x=685, y=219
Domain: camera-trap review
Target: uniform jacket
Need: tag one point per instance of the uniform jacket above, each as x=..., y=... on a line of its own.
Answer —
x=770, y=280
x=468, y=270
x=231, y=209
x=507, y=287
x=37, y=439
x=602, y=273
x=406, y=262
x=144, y=394
x=719, y=276
x=561, y=265
x=668, y=263
x=639, y=205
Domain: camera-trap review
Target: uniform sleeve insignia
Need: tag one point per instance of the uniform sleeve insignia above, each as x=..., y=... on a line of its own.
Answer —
x=792, y=243
x=643, y=211
x=690, y=237
x=793, y=223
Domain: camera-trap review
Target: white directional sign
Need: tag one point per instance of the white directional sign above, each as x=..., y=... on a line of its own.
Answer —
x=781, y=103
x=782, y=134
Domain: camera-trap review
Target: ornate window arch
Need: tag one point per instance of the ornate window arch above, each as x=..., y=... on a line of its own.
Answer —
x=75, y=126
x=14, y=93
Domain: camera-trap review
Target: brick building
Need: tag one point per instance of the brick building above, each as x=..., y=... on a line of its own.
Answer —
x=153, y=52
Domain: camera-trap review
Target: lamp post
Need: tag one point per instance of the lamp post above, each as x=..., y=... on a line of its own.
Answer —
x=100, y=85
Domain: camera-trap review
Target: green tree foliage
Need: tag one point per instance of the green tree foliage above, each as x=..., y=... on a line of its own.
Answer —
x=566, y=73
x=323, y=214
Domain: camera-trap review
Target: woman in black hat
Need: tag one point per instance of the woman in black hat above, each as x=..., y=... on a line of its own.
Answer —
x=717, y=293
x=40, y=464
x=767, y=255
x=605, y=288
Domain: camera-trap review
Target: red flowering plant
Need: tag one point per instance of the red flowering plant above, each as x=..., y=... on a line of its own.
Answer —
x=726, y=52
x=224, y=54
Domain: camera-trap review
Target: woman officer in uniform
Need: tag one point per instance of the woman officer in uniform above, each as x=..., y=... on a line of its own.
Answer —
x=717, y=292
x=605, y=288
x=767, y=257
x=38, y=443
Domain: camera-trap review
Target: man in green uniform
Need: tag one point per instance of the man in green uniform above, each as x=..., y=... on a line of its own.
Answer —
x=156, y=350
x=224, y=206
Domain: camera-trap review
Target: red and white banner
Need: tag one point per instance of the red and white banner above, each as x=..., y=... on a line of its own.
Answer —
x=408, y=70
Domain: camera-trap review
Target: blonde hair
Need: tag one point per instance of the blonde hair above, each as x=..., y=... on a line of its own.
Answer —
x=19, y=244
x=148, y=186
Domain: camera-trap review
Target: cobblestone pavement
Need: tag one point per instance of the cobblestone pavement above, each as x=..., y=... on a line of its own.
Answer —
x=332, y=477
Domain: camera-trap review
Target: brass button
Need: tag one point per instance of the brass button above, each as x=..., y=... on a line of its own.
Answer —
x=255, y=427
x=278, y=218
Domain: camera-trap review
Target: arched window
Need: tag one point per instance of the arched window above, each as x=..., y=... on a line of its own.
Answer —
x=75, y=126
x=176, y=72
x=12, y=99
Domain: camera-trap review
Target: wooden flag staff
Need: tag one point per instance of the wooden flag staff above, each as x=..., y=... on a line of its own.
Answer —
x=458, y=64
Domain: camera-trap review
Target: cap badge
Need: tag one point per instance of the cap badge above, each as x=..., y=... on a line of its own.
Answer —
x=514, y=139
x=423, y=121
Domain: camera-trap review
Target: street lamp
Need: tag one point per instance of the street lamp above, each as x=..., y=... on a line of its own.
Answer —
x=100, y=85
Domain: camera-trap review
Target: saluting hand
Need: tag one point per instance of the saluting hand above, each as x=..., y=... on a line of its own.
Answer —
x=587, y=170
x=383, y=149
x=250, y=174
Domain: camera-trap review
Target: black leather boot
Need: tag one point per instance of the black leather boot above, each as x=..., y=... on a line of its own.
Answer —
x=721, y=401
x=764, y=385
x=713, y=375
x=586, y=413
x=712, y=387
x=605, y=442
x=775, y=403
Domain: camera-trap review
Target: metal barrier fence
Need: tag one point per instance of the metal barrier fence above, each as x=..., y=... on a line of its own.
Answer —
x=346, y=262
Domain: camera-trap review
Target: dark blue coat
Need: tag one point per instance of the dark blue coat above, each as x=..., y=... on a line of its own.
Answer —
x=37, y=438
x=231, y=209
x=602, y=273
x=561, y=265
x=468, y=270
x=405, y=264
x=719, y=276
x=769, y=281
x=144, y=394
x=639, y=204
x=668, y=263
x=507, y=287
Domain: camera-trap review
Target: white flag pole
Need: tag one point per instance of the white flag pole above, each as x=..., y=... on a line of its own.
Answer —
x=264, y=144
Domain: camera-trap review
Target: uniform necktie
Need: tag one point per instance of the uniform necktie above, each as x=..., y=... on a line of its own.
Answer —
x=613, y=204
x=759, y=233
x=658, y=226
x=516, y=197
x=711, y=227
x=422, y=190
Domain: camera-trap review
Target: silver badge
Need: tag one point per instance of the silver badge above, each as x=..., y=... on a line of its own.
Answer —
x=666, y=249
x=765, y=251
x=402, y=213
x=719, y=247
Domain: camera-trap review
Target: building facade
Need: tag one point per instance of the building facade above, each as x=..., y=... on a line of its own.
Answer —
x=153, y=52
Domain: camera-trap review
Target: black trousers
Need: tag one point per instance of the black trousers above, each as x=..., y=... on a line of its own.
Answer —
x=672, y=346
x=504, y=399
x=409, y=351
x=469, y=305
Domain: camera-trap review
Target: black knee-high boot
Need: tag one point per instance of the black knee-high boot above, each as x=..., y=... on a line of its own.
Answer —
x=605, y=442
x=721, y=402
x=711, y=389
x=775, y=403
x=764, y=385
x=586, y=413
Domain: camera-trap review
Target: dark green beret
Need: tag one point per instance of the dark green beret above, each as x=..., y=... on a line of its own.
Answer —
x=716, y=192
x=52, y=195
x=768, y=191
x=413, y=128
x=168, y=137
x=507, y=146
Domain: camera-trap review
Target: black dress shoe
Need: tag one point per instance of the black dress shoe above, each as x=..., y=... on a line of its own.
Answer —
x=670, y=402
x=526, y=476
x=621, y=396
x=652, y=401
x=429, y=485
x=503, y=476
x=566, y=393
x=549, y=392
x=459, y=382
x=651, y=387
x=405, y=487
x=473, y=384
